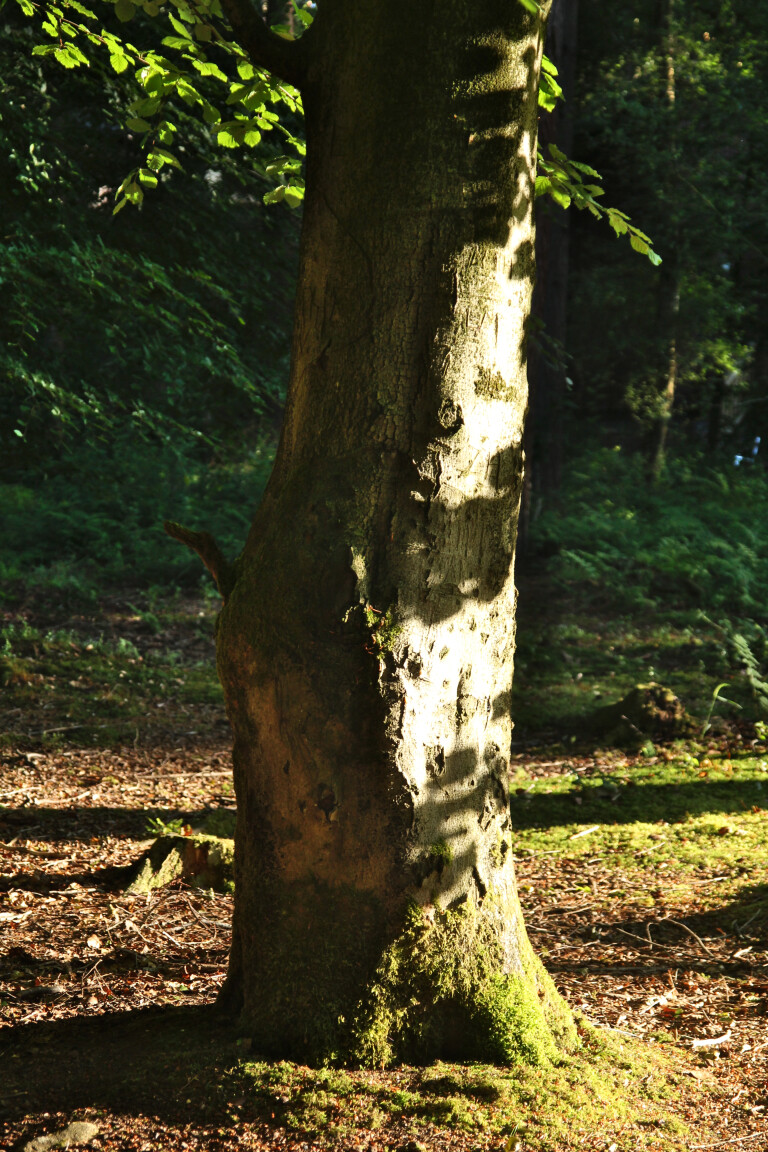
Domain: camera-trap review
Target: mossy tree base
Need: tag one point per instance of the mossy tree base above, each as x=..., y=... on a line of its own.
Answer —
x=449, y=985
x=443, y=990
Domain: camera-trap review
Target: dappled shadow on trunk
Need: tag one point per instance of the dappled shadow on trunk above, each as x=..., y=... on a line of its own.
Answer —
x=166, y=1061
x=614, y=803
x=467, y=546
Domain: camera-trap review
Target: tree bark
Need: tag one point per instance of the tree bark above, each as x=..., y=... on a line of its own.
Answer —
x=366, y=646
x=669, y=281
x=669, y=308
x=715, y=415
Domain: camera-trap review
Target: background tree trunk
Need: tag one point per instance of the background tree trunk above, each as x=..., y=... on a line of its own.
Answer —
x=546, y=363
x=669, y=280
x=274, y=11
x=366, y=648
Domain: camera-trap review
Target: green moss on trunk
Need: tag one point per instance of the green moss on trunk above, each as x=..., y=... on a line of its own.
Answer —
x=441, y=990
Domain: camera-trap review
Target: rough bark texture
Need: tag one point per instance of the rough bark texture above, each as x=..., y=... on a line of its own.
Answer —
x=366, y=647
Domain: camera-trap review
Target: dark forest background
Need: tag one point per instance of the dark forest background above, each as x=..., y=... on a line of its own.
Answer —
x=144, y=356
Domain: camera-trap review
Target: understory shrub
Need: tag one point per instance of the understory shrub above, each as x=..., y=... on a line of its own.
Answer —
x=96, y=518
x=697, y=539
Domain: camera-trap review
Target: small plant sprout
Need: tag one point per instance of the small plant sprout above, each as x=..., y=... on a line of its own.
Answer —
x=715, y=697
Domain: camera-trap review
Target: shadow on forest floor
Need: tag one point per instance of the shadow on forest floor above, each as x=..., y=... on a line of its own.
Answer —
x=85, y=823
x=744, y=920
x=627, y=804
x=661, y=940
x=166, y=1060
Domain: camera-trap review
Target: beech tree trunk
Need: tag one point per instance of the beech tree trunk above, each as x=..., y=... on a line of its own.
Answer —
x=366, y=646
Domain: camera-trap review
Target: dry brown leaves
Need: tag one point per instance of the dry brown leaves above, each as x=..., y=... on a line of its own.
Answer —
x=678, y=972
x=73, y=942
x=74, y=945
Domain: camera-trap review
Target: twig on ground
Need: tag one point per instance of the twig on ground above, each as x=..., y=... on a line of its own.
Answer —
x=711, y=1041
x=731, y=1140
x=653, y=847
x=585, y=832
x=690, y=932
x=645, y=943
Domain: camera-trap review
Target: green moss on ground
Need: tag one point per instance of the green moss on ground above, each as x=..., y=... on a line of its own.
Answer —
x=612, y=1087
x=201, y=860
x=134, y=674
x=682, y=810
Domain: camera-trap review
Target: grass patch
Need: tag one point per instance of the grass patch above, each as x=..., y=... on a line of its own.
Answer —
x=142, y=675
x=679, y=810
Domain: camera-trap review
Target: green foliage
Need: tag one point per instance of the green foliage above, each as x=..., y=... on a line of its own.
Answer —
x=746, y=647
x=564, y=181
x=692, y=168
x=696, y=541
x=253, y=94
x=105, y=323
x=717, y=697
x=156, y=826
x=549, y=89
x=142, y=363
x=203, y=69
x=95, y=519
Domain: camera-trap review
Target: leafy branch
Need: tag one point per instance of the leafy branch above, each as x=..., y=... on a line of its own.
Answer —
x=246, y=95
x=245, y=106
x=566, y=182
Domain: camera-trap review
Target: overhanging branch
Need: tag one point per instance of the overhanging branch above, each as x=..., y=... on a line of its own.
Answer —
x=209, y=552
x=284, y=58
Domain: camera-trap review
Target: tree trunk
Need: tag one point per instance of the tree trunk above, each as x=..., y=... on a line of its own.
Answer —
x=669, y=307
x=669, y=281
x=366, y=647
x=715, y=417
x=275, y=11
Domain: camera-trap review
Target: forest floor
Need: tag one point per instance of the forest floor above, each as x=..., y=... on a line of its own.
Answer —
x=644, y=878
